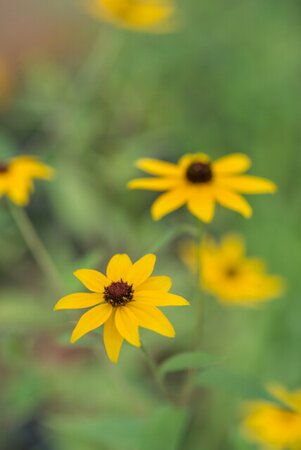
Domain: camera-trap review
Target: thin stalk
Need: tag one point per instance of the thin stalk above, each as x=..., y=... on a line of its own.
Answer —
x=170, y=235
x=159, y=379
x=199, y=298
x=35, y=245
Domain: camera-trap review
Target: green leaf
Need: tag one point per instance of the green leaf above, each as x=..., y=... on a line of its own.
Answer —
x=188, y=360
x=242, y=386
x=164, y=430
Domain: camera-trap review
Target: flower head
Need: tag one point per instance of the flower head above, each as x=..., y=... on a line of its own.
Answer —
x=17, y=175
x=139, y=15
x=201, y=183
x=275, y=426
x=124, y=299
x=228, y=274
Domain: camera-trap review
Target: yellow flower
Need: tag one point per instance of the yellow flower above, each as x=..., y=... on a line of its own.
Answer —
x=140, y=15
x=274, y=426
x=124, y=299
x=17, y=175
x=200, y=183
x=228, y=274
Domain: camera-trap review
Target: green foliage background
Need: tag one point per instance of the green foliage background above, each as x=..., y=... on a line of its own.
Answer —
x=228, y=81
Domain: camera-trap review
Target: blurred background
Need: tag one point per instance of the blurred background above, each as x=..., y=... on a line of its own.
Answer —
x=89, y=99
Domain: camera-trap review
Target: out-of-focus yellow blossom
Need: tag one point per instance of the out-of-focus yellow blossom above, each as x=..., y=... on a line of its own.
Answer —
x=228, y=274
x=201, y=183
x=17, y=175
x=273, y=426
x=5, y=83
x=139, y=15
x=124, y=299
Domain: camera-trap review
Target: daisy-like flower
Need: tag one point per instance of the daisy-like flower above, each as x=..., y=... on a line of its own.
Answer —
x=228, y=274
x=273, y=426
x=124, y=299
x=17, y=175
x=201, y=183
x=139, y=15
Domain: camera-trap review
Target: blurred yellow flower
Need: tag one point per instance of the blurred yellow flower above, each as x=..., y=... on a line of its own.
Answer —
x=17, y=175
x=140, y=15
x=273, y=426
x=124, y=299
x=228, y=274
x=200, y=183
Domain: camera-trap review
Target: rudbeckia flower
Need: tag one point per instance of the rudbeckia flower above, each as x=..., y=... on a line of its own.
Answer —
x=124, y=299
x=17, y=175
x=227, y=274
x=273, y=426
x=140, y=15
x=201, y=183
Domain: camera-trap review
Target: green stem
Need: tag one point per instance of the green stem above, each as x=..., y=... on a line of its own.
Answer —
x=35, y=245
x=157, y=375
x=199, y=299
x=172, y=234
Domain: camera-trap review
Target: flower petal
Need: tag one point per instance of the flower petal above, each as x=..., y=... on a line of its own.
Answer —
x=29, y=166
x=233, y=201
x=92, y=279
x=136, y=15
x=91, y=320
x=168, y=202
x=141, y=270
x=79, y=301
x=230, y=164
x=5, y=182
x=248, y=184
x=189, y=158
x=112, y=339
x=162, y=283
x=152, y=318
x=233, y=247
x=157, y=167
x=202, y=205
x=127, y=325
x=189, y=253
x=19, y=190
x=157, y=298
x=153, y=184
x=118, y=267
x=290, y=398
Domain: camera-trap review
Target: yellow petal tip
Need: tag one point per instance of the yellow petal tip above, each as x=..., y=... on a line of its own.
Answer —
x=155, y=215
x=274, y=188
x=156, y=218
x=130, y=185
x=57, y=306
x=248, y=215
x=76, y=272
x=138, y=162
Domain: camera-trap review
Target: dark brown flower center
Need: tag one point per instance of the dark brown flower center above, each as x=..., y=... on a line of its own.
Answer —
x=118, y=293
x=199, y=172
x=231, y=272
x=3, y=168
